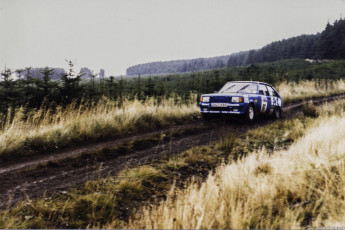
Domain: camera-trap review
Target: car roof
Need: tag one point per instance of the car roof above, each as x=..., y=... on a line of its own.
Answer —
x=258, y=82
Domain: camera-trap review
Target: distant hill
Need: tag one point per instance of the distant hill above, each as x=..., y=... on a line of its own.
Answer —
x=329, y=44
x=36, y=73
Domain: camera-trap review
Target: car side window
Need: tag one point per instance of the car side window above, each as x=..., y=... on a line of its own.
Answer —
x=263, y=90
x=272, y=92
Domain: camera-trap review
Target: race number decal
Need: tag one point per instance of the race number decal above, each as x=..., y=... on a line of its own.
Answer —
x=263, y=103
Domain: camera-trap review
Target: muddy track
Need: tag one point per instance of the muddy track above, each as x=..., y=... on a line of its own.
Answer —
x=52, y=173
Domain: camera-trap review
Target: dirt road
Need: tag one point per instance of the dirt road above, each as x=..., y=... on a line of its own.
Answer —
x=52, y=173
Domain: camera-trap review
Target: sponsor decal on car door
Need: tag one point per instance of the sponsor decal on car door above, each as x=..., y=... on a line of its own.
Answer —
x=263, y=103
x=276, y=101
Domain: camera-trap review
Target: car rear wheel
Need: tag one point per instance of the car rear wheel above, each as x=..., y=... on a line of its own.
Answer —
x=277, y=114
x=250, y=113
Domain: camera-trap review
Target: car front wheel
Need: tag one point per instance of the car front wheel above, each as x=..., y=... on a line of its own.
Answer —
x=207, y=116
x=250, y=113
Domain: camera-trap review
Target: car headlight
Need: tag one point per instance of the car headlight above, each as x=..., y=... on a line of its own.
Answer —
x=205, y=99
x=237, y=99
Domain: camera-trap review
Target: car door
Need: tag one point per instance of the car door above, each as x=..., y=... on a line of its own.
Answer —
x=265, y=100
x=274, y=98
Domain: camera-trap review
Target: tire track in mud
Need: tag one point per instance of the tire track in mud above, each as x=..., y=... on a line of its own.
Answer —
x=48, y=157
x=33, y=182
x=59, y=171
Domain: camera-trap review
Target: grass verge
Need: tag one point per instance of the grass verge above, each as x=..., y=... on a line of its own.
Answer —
x=301, y=186
x=110, y=202
x=48, y=129
x=292, y=91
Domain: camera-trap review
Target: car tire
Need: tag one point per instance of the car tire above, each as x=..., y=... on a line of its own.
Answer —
x=250, y=113
x=277, y=113
x=207, y=116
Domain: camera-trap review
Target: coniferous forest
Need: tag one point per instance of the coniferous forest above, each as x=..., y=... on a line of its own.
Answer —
x=329, y=44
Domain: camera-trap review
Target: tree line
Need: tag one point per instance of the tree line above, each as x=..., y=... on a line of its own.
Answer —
x=33, y=92
x=329, y=44
x=20, y=88
x=293, y=70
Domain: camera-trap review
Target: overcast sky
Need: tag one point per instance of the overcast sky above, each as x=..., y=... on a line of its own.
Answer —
x=116, y=34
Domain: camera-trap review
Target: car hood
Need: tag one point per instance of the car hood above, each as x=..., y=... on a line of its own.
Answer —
x=222, y=94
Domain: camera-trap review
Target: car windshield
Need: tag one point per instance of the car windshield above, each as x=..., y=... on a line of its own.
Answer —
x=239, y=87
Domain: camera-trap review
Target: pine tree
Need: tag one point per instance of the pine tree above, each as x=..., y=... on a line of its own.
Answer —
x=92, y=89
x=28, y=85
x=47, y=72
x=161, y=90
x=139, y=88
x=19, y=74
x=121, y=91
x=7, y=97
x=111, y=88
x=19, y=88
x=216, y=83
x=70, y=89
x=150, y=85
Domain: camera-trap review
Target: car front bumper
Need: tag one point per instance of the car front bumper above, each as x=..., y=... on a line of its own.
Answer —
x=223, y=108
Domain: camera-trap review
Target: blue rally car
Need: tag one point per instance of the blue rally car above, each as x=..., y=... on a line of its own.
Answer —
x=248, y=98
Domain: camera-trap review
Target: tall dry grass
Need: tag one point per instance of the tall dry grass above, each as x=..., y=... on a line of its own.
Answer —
x=57, y=128
x=292, y=91
x=301, y=186
x=48, y=129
